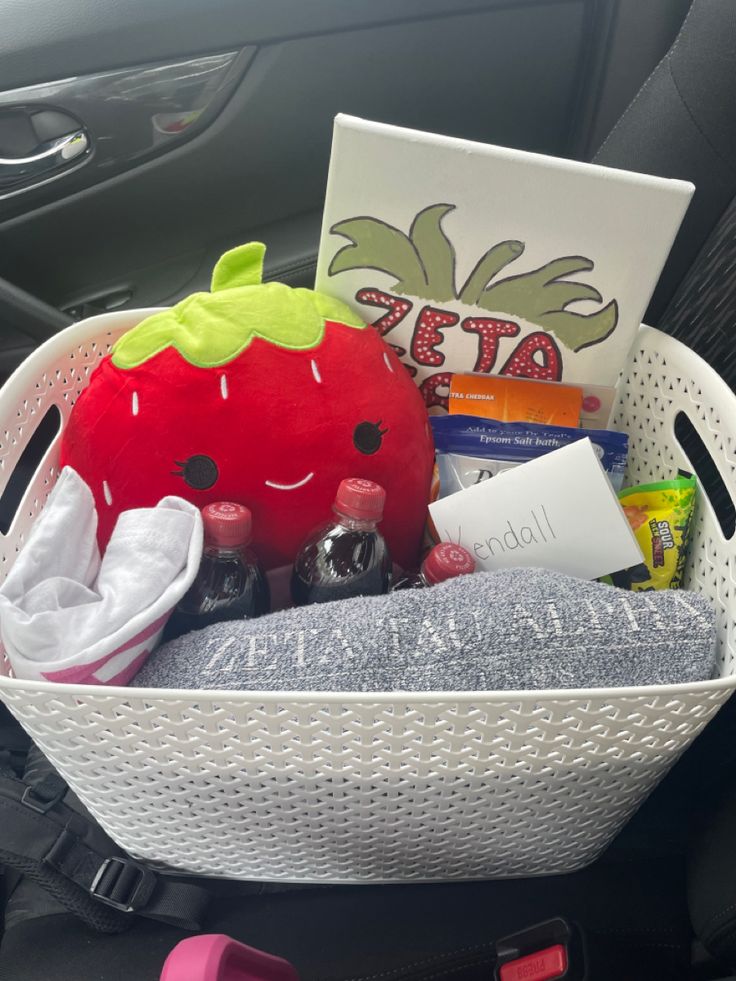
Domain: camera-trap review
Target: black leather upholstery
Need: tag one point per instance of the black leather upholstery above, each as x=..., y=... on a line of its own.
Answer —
x=682, y=124
x=712, y=883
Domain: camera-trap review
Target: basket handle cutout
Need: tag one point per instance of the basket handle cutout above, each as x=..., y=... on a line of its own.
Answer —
x=44, y=435
x=711, y=482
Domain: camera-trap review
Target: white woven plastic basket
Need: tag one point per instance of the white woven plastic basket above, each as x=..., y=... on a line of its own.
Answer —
x=355, y=787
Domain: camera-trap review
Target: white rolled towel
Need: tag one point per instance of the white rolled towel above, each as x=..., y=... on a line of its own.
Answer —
x=68, y=615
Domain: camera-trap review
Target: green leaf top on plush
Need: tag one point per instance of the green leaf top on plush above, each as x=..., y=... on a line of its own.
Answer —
x=259, y=394
x=211, y=329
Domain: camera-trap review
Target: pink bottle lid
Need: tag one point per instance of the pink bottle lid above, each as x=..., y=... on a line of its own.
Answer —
x=446, y=561
x=227, y=525
x=216, y=957
x=360, y=499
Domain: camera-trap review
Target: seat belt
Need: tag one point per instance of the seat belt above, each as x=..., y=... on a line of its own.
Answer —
x=73, y=859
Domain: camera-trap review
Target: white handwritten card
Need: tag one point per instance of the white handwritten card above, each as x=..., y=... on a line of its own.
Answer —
x=469, y=257
x=557, y=512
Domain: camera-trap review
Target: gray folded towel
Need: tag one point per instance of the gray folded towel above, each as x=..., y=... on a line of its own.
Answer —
x=512, y=629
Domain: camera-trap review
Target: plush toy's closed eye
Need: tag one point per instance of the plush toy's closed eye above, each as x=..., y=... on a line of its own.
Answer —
x=368, y=436
x=198, y=471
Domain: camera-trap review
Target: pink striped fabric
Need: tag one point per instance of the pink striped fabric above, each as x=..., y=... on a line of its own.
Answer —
x=136, y=650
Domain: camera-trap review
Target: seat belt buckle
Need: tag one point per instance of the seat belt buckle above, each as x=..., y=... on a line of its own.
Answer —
x=123, y=884
x=548, y=951
x=216, y=957
x=44, y=795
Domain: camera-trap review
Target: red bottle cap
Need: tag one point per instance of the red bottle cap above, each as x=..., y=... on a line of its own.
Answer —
x=361, y=499
x=446, y=561
x=227, y=525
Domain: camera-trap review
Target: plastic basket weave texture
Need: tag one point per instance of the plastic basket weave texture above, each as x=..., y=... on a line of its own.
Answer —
x=345, y=787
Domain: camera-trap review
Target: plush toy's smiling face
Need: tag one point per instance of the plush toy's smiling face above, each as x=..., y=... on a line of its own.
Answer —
x=258, y=394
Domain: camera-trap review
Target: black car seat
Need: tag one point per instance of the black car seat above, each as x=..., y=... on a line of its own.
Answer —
x=632, y=902
x=682, y=124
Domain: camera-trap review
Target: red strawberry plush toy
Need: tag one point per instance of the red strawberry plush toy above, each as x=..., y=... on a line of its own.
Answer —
x=260, y=394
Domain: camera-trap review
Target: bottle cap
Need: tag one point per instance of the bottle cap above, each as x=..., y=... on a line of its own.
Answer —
x=361, y=499
x=446, y=561
x=227, y=525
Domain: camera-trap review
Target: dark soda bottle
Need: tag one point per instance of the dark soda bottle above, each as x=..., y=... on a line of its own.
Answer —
x=230, y=584
x=445, y=561
x=348, y=556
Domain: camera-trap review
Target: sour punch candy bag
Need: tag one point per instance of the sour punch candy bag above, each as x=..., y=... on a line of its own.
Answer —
x=660, y=515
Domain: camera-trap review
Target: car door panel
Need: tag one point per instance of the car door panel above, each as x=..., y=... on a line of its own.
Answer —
x=265, y=157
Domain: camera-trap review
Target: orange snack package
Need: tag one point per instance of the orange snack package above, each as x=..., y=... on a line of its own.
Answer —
x=515, y=400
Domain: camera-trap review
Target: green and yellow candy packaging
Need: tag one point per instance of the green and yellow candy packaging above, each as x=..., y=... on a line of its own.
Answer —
x=660, y=516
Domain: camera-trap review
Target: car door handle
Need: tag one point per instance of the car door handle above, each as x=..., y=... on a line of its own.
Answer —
x=49, y=158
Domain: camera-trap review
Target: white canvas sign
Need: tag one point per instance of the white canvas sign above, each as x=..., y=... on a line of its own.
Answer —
x=470, y=257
